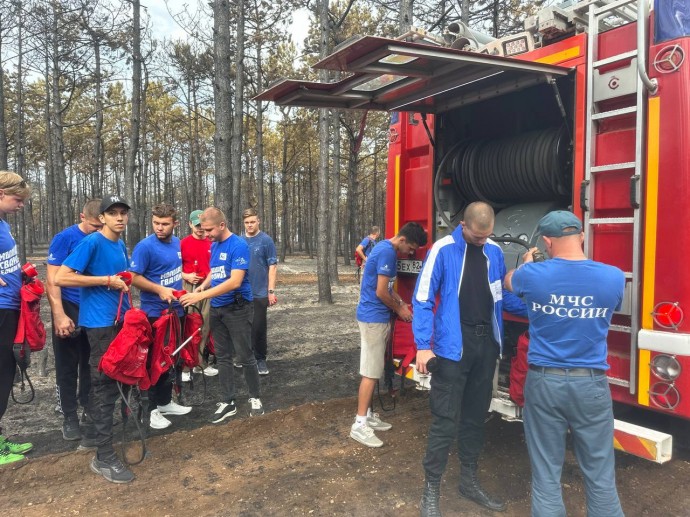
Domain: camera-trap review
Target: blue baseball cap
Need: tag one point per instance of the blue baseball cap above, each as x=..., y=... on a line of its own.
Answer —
x=559, y=223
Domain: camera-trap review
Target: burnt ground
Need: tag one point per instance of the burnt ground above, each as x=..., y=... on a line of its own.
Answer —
x=297, y=459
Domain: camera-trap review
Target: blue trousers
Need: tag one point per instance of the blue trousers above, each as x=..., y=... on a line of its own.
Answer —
x=555, y=404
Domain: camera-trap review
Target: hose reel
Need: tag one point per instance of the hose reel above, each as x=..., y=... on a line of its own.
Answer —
x=529, y=167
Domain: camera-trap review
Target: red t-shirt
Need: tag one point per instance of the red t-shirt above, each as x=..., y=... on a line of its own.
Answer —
x=198, y=250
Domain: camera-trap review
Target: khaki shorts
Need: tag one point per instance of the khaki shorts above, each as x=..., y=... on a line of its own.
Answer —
x=372, y=356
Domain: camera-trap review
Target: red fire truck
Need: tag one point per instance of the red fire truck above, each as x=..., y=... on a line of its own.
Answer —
x=588, y=109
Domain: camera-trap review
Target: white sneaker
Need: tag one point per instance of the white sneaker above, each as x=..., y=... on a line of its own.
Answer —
x=257, y=408
x=173, y=408
x=186, y=376
x=197, y=369
x=158, y=421
x=377, y=424
x=365, y=435
x=210, y=371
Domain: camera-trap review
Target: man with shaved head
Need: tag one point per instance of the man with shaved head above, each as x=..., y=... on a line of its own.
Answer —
x=458, y=305
x=231, y=312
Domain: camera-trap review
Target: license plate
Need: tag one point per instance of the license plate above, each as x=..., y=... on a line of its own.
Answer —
x=409, y=266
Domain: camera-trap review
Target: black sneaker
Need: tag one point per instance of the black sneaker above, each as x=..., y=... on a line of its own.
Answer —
x=70, y=428
x=262, y=367
x=223, y=411
x=112, y=469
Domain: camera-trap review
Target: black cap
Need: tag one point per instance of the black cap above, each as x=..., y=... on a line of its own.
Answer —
x=110, y=200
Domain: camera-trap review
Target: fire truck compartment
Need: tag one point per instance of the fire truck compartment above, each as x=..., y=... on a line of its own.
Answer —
x=513, y=151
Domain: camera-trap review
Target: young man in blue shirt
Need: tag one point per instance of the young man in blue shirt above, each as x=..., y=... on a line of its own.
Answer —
x=570, y=301
x=377, y=302
x=263, y=271
x=157, y=271
x=70, y=345
x=365, y=247
x=94, y=266
x=231, y=313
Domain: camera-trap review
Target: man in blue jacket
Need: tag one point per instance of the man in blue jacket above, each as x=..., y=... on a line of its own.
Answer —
x=465, y=272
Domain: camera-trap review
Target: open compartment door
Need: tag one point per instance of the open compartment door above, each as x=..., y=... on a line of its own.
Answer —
x=392, y=75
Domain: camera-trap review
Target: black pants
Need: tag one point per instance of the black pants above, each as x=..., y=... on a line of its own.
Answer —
x=459, y=400
x=160, y=394
x=104, y=392
x=232, y=332
x=72, y=366
x=9, y=319
x=259, y=329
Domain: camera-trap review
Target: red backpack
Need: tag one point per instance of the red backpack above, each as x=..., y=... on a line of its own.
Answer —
x=31, y=334
x=166, y=335
x=189, y=355
x=358, y=260
x=125, y=359
x=518, y=370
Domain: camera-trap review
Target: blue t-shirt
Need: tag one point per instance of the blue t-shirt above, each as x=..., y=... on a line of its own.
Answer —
x=382, y=261
x=96, y=255
x=262, y=255
x=367, y=245
x=61, y=246
x=569, y=305
x=232, y=253
x=10, y=270
x=161, y=263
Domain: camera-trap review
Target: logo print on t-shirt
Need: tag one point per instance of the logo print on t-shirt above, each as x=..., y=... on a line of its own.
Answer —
x=223, y=256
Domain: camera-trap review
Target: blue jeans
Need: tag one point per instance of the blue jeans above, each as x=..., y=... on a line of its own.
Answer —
x=554, y=404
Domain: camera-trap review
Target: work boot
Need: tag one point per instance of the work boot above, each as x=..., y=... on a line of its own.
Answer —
x=472, y=490
x=429, y=506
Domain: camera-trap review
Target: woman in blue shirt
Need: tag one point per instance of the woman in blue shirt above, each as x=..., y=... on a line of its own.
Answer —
x=13, y=192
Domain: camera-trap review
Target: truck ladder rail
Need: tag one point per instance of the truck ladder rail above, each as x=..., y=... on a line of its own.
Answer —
x=597, y=11
x=614, y=113
x=615, y=59
x=613, y=167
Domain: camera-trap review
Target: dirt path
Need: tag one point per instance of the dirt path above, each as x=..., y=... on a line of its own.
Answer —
x=298, y=458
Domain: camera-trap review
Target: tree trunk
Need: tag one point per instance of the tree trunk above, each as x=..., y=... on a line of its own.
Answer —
x=20, y=230
x=465, y=12
x=272, y=200
x=62, y=217
x=237, y=122
x=260, y=140
x=221, y=97
x=322, y=269
x=405, y=18
x=284, y=193
x=50, y=208
x=98, y=158
x=3, y=132
x=134, y=231
x=335, y=204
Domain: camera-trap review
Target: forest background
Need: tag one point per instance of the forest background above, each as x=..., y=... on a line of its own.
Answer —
x=94, y=99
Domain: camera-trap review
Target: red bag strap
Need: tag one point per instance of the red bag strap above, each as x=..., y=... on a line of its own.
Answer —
x=119, y=305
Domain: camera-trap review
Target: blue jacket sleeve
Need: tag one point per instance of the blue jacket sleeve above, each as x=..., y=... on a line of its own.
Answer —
x=512, y=303
x=424, y=299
